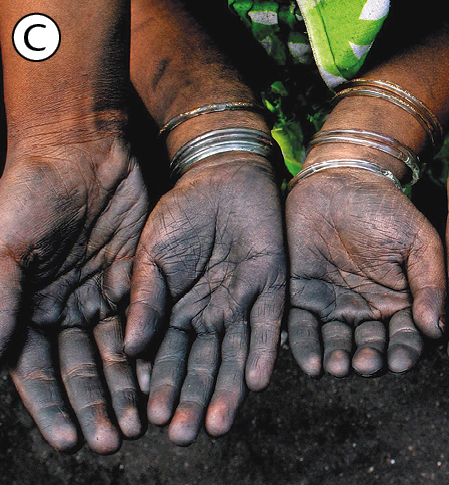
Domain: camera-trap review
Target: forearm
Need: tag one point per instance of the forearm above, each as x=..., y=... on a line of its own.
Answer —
x=176, y=68
x=80, y=89
x=424, y=72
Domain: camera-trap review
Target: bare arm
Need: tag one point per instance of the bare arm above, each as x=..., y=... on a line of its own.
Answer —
x=72, y=207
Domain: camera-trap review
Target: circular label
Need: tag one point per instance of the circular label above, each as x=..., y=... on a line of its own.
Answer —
x=36, y=37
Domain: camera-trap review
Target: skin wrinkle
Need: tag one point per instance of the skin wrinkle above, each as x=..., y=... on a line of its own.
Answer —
x=98, y=406
x=47, y=136
x=127, y=391
x=113, y=360
x=44, y=410
x=332, y=304
x=171, y=359
x=326, y=312
x=212, y=277
x=347, y=283
x=55, y=248
x=159, y=73
x=82, y=282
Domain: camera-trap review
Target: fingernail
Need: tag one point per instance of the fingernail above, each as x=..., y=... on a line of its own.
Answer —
x=442, y=324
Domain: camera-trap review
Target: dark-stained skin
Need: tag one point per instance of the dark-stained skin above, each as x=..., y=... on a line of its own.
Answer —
x=73, y=204
x=211, y=257
x=209, y=270
x=362, y=257
x=74, y=207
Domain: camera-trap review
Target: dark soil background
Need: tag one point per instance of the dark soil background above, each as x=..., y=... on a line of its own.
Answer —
x=391, y=430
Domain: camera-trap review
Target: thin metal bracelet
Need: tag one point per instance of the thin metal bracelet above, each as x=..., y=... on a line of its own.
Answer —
x=400, y=97
x=210, y=108
x=383, y=143
x=344, y=163
x=222, y=141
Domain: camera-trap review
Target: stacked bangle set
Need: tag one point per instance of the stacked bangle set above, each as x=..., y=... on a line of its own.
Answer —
x=399, y=97
x=261, y=143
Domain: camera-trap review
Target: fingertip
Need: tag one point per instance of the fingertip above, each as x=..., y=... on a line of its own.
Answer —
x=337, y=363
x=181, y=435
x=136, y=341
x=257, y=379
x=185, y=426
x=428, y=312
x=143, y=372
x=106, y=440
x=219, y=417
x=141, y=324
x=160, y=406
x=63, y=437
x=310, y=363
x=130, y=423
x=367, y=361
x=401, y=358
x=159, y=414
x=259, y=368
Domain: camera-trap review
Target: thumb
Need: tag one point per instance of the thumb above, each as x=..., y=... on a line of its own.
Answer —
x=10, y=295
x=147, y=302
x=427, y=279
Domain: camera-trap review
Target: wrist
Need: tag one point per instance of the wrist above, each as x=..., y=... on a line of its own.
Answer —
x=202, y=124
x=357, y=152
x=106, y=157
x=65, y=127
x=378, y=117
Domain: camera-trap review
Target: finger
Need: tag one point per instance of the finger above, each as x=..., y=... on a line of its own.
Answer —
x=211, y=313
x=337, y=341
x=35, y=379
x=147, y=303
x=196, y=389
x=427, y=280
x=406, y=345
x=86, y=394
x=143, y=372
x=119, y=377
x=265, y=323
x=168, y=371
x=370, y=341
x=10, y=295
x=305, y=342
x=229, y=388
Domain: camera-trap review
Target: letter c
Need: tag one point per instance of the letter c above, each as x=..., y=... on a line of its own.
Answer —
x=27, y=40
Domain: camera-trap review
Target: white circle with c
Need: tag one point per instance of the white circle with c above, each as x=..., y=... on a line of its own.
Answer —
x=36, y=37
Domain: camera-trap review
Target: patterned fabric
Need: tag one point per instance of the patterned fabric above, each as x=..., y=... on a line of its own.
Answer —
x=339, y=32
x=300, y=35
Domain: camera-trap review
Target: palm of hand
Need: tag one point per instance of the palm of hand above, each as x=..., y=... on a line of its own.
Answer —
x=361, y=256
x=68, y=241
x=215, y=247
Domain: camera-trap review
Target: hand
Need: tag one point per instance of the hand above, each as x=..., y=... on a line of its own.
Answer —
x=212, y=249
x=362, y=256
x=37, y=379
x=70, y=220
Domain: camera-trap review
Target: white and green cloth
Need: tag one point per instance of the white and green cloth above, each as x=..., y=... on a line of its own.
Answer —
x=339, y=33
x=334, y=36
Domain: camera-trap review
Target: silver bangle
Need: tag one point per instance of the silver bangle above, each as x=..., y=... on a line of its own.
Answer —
x=383, y=143
x=400, y=97
x=210, y=108
x=344, y=163
x=222, y=141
